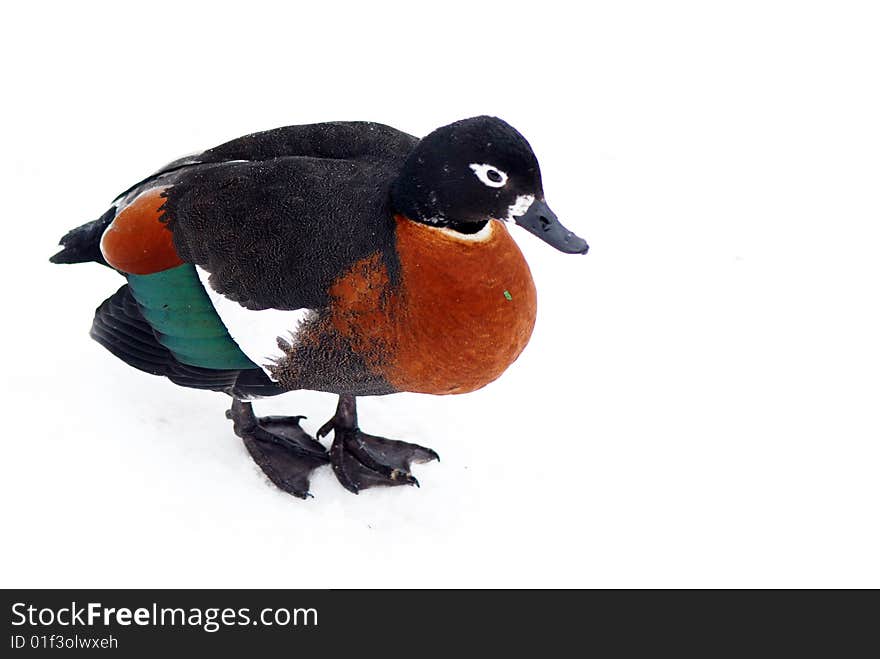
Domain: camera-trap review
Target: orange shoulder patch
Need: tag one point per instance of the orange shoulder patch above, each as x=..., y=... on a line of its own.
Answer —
x=137, y=242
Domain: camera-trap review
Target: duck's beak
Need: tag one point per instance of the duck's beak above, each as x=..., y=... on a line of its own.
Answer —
x=542, y=222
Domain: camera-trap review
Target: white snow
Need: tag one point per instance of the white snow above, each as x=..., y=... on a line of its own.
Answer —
x=697, y=407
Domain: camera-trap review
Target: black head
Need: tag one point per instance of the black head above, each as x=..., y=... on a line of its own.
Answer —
x=464, y=174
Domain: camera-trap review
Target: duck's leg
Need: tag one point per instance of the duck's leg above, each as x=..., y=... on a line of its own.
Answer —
x=283, y=450
x=360, y=460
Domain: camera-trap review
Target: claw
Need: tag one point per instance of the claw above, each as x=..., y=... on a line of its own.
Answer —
x=324, y=430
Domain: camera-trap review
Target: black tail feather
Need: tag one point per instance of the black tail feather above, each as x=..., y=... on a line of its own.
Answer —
x=83, y=244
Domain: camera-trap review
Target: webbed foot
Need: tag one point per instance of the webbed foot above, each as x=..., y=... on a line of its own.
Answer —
x=283, y=450
x=360, y=460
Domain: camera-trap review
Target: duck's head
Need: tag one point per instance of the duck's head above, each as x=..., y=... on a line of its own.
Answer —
x=464, y=174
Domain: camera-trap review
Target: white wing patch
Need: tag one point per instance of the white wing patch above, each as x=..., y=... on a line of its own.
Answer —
x=255, y=332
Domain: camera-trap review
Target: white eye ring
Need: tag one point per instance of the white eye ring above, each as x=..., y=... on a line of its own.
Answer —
x=484, y=172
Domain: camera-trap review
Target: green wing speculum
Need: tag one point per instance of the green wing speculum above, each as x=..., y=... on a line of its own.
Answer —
x=178, y=309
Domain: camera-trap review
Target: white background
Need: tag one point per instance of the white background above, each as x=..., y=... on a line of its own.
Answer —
x=699, y=402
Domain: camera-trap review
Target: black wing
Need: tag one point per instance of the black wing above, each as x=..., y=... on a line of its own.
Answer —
x=344, y=140
x=275, y=217
x=340, y=140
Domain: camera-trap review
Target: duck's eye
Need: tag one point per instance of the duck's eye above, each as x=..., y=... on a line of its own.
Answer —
x=489, y=175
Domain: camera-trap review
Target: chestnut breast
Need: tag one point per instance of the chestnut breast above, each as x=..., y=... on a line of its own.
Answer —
x=462, y=313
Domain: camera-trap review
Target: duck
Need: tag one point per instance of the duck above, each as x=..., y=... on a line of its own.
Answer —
x=346, y=257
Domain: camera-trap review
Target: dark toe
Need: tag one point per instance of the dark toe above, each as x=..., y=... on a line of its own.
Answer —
x=392, y=453
x=289, y=471
x=288, y=431
x=361, y=461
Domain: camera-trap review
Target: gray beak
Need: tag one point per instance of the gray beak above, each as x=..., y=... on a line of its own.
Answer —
x=542, y=222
